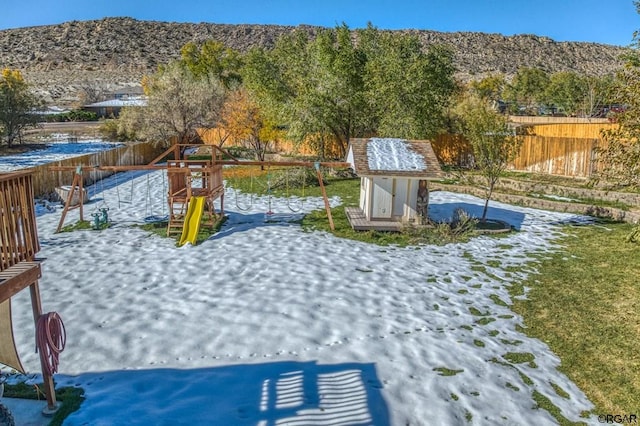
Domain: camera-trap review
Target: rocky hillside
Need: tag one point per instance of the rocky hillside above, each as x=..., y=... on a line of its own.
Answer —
x=114, y=53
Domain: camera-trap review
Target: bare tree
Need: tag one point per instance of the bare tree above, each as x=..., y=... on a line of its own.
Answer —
x=90, y=92
x=180, y=103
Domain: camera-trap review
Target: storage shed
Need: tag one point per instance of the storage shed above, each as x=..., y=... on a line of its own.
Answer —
x=394, y=175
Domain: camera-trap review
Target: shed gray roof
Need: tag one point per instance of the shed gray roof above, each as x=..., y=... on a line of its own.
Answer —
x=393, y=157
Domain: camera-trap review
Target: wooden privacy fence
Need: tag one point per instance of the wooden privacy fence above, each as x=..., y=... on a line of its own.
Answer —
x=582, y=131
x=45, y=180
x=572, y=121
x=572, y=157
x=315, y=145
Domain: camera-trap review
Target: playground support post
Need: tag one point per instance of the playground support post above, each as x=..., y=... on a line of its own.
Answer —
x=327, y=207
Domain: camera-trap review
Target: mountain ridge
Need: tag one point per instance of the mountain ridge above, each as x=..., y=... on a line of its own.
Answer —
x=114, y=53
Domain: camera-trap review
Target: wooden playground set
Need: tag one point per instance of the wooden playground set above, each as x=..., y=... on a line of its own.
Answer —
x=193, y=186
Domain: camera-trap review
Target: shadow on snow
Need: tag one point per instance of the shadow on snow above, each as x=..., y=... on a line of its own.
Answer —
x=288, y=392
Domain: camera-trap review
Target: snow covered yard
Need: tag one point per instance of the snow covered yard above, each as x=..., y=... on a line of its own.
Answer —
x=266, y=324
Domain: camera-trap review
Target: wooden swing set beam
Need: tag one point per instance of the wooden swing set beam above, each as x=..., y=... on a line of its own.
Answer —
x=331, y=164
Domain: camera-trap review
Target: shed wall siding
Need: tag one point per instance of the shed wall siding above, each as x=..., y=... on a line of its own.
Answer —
x=412, y=200
x=364, y=192
x=389, y=198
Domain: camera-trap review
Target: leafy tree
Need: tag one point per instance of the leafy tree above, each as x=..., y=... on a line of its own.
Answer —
x=491, y=87
x=129, y=126
x=345, y=86
x=527, y=89
x=408, y=90
x=242, y=120
x=494, y=142
x=566, y=91
x=213, y=59
x=179, y=103
x=311, y=86
x=17, y=106
x=620, y=155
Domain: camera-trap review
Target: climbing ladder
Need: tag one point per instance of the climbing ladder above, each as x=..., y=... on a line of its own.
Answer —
x=192, y=178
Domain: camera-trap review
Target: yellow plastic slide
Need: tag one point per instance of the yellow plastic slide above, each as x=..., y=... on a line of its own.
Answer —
x=191, y=225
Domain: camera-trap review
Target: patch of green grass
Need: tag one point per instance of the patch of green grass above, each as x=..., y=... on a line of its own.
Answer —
x=485, y=321
x=463, y=291
x=70, y=398
x=475, y=311
x=546, y=404
x=519, y=357
x=525, y=379
x=513, y=387
x=477, y=286
x=494, y=263
x=466, y=327
x=444, y=371
x=494, y=333
x=478, y=268
x=505, y=316
x=81, y=225
x=205, y=232
x=584, y=304
x=436, y=307
x=496, y=299
x=478, y=343
x=157, y=228
x=561, y=392
x=454, y=396
x=466, y=278
x=511, y=342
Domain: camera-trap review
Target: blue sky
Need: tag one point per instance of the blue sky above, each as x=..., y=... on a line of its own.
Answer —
x=600, y=21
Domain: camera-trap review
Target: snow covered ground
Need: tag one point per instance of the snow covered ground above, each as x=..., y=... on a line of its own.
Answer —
x=265, y=324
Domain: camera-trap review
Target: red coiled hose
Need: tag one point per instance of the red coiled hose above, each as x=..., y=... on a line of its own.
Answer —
x=51, y=337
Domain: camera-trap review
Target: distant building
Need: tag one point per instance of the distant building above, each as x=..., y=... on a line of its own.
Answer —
x=111, y=108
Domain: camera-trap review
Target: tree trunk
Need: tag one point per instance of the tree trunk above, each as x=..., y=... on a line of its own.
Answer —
x=486, y=203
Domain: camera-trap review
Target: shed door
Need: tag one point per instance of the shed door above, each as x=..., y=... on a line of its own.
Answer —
x=400, y=193
x=382, y=198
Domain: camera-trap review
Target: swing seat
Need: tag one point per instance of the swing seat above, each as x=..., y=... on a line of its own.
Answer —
x=156, y=218
x=295, y=207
